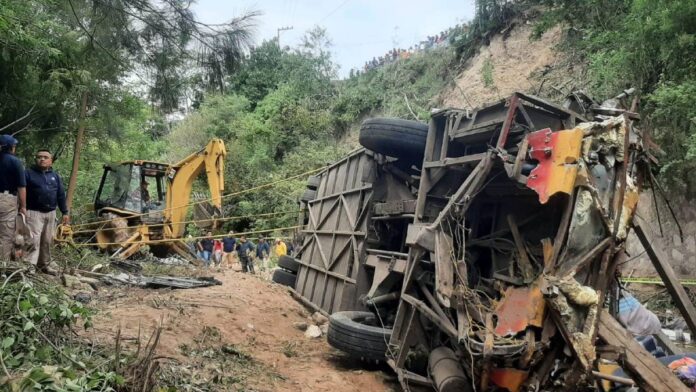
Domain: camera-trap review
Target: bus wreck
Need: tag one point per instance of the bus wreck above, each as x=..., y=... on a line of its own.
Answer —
x=480, y=253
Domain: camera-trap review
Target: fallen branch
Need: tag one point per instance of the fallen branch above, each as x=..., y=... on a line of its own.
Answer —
x=19, y=119
x=409, y=108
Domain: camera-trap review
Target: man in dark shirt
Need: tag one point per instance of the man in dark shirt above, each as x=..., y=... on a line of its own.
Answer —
x=45, y=192
x=244, y=249
x=228, y=244
x=12, y=193
x=205, y=246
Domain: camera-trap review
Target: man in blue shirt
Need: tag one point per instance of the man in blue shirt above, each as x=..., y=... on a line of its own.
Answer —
x=263, y=251
x=244, y=249
x=45, y=193
x=12, y=193
x=228, y=244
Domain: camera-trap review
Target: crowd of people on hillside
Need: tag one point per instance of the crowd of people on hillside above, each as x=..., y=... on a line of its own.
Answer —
x=224, y=251
x=396, y=54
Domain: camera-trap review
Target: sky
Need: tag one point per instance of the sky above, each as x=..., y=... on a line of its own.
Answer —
x=358, y=29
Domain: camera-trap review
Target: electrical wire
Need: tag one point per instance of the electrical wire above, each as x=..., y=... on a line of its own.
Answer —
x=244, y=191
x=223, y=219
x=333, y=11
x=149, y=242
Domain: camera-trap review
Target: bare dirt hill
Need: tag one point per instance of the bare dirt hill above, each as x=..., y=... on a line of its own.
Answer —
x=513, y=61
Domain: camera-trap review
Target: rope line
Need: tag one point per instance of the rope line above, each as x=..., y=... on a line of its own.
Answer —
x=248, y=190
x=187, y=239
x=224, y=219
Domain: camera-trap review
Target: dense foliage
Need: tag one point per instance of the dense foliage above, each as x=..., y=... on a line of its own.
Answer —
x=276, y=122
x=650, y=45
x=124, y=64
x=285, y=113
x=407, y=88
x=38, y=351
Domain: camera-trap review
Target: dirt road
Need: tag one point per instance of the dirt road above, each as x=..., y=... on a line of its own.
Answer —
x=237, y=336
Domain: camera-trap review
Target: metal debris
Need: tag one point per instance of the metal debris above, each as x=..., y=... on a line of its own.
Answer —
x=157, y=282
x=505, y=259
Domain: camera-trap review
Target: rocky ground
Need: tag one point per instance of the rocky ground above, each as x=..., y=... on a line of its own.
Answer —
x=246, y=334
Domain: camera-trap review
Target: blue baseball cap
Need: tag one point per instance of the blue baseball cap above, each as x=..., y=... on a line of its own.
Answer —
x=8, y=140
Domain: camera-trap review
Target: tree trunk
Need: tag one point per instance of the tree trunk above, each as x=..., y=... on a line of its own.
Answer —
x=76, y=152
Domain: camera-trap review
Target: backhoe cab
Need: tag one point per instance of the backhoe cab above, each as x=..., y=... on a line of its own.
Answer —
x=132, y=187
x=145, y=203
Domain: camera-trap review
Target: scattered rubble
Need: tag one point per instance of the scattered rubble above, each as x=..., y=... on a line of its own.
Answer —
x=313, y=332
x=319, y=319
x=301, y=325
x=85, y=298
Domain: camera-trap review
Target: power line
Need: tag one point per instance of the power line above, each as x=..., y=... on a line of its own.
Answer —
x=149, y=242
x=223, y=219
x=333, y=11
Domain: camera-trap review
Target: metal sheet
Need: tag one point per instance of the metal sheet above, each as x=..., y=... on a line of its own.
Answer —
x=557, y=154
x=519, y=308
x=335, y=234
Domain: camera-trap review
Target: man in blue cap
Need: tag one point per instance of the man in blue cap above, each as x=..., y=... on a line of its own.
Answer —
x=45, y=193
x=12, y=193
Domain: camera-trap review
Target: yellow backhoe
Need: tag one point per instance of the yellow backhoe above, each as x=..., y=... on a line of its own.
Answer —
x=142, y=203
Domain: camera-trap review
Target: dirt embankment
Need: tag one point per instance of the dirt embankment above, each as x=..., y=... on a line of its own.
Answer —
x=237, y=336
x=513, y=61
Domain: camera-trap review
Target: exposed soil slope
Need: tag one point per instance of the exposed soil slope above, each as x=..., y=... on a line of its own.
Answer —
x=513, y=61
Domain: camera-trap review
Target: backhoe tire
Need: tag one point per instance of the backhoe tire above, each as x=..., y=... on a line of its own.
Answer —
x=289, y=263
x=286, y=278
x=308, y=195
x=394, y=137
x=359, y=335
x=313, y=182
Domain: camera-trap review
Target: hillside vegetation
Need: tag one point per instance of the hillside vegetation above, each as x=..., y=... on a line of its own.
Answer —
x=650, y=45
x=282, y=111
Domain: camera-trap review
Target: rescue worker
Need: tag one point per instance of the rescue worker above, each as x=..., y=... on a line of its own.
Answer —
x=12, y=193
x=228, y=244
x=144, y=192
x=205, y=248
x=45, y=192
x=263, y=251
x=280, y=248
x=244, y=248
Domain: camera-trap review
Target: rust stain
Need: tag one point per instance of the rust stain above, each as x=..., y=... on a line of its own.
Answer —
x=519, y=308
x=557, y=154
x=508, y=378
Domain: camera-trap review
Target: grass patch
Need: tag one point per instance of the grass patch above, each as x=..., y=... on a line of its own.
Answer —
x=213, y=365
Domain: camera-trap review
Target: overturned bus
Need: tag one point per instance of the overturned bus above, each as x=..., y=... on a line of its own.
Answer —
x=478, y=252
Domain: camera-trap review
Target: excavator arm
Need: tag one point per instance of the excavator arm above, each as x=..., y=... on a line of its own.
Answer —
x=180, y=180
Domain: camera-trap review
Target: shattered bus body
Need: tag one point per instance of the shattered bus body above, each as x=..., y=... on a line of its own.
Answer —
x=486, y=260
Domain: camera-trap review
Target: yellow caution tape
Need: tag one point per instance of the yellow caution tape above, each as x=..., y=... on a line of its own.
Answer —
x=658, y=281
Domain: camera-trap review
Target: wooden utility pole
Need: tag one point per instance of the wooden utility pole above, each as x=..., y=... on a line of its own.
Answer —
x=278, y=30
x=72, y=184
